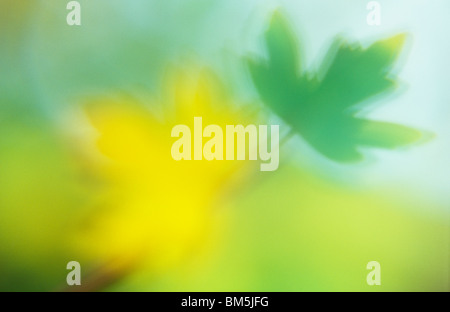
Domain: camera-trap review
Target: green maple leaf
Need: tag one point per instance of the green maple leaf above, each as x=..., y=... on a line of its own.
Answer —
x=325, y=107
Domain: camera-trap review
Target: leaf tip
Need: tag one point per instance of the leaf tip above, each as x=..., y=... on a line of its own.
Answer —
x=395, y=43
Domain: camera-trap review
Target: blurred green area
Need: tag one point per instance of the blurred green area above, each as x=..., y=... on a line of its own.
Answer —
x=295, y=231
x=291, y=230
x=40, y=190
x=325, y=107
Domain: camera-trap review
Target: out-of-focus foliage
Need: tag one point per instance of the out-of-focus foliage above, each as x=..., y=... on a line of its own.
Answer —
x=325, y=107
x=41, y=188
x=153, y=211
x=297, y=231
x=86, y=172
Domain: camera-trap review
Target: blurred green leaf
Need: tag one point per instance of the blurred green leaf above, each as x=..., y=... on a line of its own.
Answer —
x=323, y=106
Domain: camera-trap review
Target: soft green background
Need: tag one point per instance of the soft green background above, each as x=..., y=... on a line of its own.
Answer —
x=295, y=229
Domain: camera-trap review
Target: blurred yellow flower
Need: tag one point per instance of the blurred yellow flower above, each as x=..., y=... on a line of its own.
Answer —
x=153, y=210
